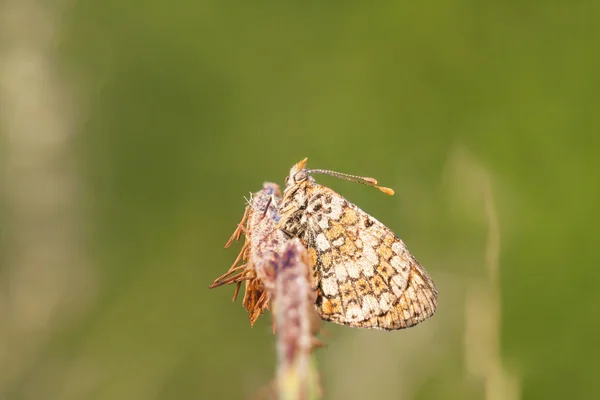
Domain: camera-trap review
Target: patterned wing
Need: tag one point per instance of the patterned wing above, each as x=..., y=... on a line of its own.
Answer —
x=364, y=274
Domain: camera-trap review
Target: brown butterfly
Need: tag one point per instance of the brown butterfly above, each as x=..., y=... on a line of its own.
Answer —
x=363, y=274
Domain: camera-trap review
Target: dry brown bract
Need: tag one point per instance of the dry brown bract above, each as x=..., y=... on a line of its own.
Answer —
x=259, y=256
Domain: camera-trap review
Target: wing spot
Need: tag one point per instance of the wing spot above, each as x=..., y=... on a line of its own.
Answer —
x=329, y=286
x=335, y=232
x=349, y=217
x=362, y=288
x=399, y=264
x=322, y=243
x=389, y=240
x=385, y=252
x=338, y=242
x=341, y=273
x=348, y=247
x=353, y=312
x=385, y=302
x=325, y=261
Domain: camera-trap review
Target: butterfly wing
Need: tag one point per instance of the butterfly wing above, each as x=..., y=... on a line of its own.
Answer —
x=364, y=275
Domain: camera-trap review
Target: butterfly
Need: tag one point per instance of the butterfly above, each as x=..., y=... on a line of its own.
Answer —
x=362, y=273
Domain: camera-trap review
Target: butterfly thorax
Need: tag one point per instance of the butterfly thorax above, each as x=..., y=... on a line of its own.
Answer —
x=293, y=207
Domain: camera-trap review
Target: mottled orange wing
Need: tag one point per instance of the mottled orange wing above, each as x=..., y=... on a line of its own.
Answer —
x=364, y=275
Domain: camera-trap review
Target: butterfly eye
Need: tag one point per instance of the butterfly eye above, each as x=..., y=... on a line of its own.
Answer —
x=301, y=175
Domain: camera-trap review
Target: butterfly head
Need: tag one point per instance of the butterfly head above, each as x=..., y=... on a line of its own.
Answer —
x=298, y=174
x=297, y=182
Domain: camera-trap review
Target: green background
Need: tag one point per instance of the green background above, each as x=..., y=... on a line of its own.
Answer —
x=185, y=107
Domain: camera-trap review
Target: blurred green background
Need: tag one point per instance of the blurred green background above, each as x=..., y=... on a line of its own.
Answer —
x=132, y=130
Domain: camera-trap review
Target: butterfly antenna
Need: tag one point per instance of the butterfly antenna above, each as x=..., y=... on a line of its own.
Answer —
x=363, y=180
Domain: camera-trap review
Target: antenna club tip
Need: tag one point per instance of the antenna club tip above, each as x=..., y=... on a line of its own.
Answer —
x=386, y=190
x=371, y=181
